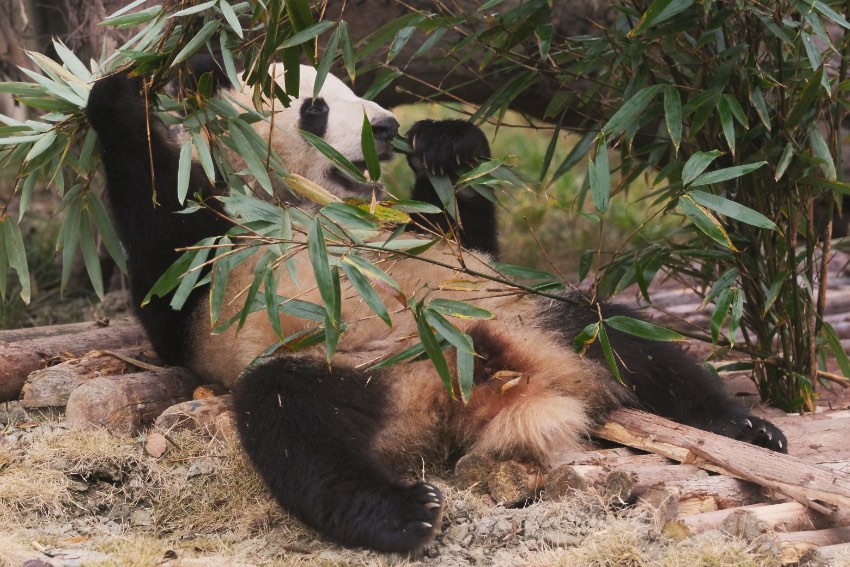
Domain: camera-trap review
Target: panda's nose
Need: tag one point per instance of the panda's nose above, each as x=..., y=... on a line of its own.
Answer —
x=385, y=128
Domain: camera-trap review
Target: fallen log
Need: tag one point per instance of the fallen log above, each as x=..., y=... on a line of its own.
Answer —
x=793, y=546
x=197, y=414
x=674, y=498
x=123, y=404
x=19, y=358
x=51, y=386
x=785, y=474
x=30, y=333
x=786, y=516
x=826, y=556
x=621, y=478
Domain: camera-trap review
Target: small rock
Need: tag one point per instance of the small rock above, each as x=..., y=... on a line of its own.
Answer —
x=156, y=445
x=560, y=539
x=457, y=533
x=502, y=529
x=202, y=466
x=141, y=518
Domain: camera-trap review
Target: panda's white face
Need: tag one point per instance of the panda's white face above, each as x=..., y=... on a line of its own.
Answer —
x=335, y=116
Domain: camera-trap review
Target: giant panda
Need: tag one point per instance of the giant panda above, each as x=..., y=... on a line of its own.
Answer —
x=331, y=442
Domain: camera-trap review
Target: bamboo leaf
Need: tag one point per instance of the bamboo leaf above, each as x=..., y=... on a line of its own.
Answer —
x=339, y=160
x=806, y=98
x=642, y=329
x=784, y=161
x=381, y=82
x=230, y=16
x=196, y=42
x=586, y=338
x=243, y=147
x=725, y=280
x=459, y=309
x=325, y=63
x=349, y=216
x=608, y=352
x=192, y=274
x=308, y=33
x=630, y=113
x=100, y=218
x=433, y=350
x=362, y=286
x=184, y=170
x=773, y=293
x=726, y=174
x=821, y=151
x=321, y=268
x=303, y=309
x=16, y=255
x=270, y=297
x=721, y=310
x=523, y=272
x=90, y=257
x=347, y=49
x=728, y=127
x=600, y=177
x=42, y=145
x=732, y=209
x=828, y=332
x=134, y=19
x=220, y=275
x=673, y=115
x=377, y=276
x=72, y=63
x=193, y=9
x=697, y=163
x=399, y=41
x=370, y=152
x=760, y=105
x=705, y=221
x=411, y=353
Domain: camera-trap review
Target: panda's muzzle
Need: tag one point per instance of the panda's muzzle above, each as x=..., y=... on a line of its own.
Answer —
x=384, y=129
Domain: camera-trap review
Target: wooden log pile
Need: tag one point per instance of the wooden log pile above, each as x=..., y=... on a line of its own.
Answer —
x=799, y=503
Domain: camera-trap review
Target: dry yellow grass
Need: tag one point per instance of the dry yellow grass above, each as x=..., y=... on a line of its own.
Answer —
x=104, y=500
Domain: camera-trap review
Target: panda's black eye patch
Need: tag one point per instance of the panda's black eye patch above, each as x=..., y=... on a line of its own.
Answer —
x=314, y=116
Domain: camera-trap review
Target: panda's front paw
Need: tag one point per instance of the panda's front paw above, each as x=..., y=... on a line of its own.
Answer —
x=443, y=146
x=753, y=430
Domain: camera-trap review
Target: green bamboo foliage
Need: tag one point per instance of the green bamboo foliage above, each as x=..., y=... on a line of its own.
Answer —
x=59, y=149
x=730, y=111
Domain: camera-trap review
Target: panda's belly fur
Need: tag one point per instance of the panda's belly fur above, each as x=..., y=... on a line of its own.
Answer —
x=541, y=414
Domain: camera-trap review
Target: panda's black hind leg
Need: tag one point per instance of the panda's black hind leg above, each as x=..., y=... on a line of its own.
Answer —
x=309, y=433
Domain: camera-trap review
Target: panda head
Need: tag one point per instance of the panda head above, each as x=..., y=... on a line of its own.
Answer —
x=336, y=116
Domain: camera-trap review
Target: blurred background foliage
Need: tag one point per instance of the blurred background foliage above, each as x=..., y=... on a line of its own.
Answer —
x=706, y=146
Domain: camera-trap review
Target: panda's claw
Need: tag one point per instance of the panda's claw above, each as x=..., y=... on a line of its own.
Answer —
x=750, y=429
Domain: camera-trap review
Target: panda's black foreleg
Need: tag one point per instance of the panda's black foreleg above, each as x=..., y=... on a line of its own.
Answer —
x=441, y=147
x=309, y=432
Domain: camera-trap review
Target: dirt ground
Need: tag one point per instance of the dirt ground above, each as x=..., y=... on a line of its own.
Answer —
x=73, y=498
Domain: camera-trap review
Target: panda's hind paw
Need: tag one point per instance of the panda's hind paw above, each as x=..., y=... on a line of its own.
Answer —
x=759, y=432
x=418, y=510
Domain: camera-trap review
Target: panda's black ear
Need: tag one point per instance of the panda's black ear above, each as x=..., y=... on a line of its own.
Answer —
x=205, y=63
